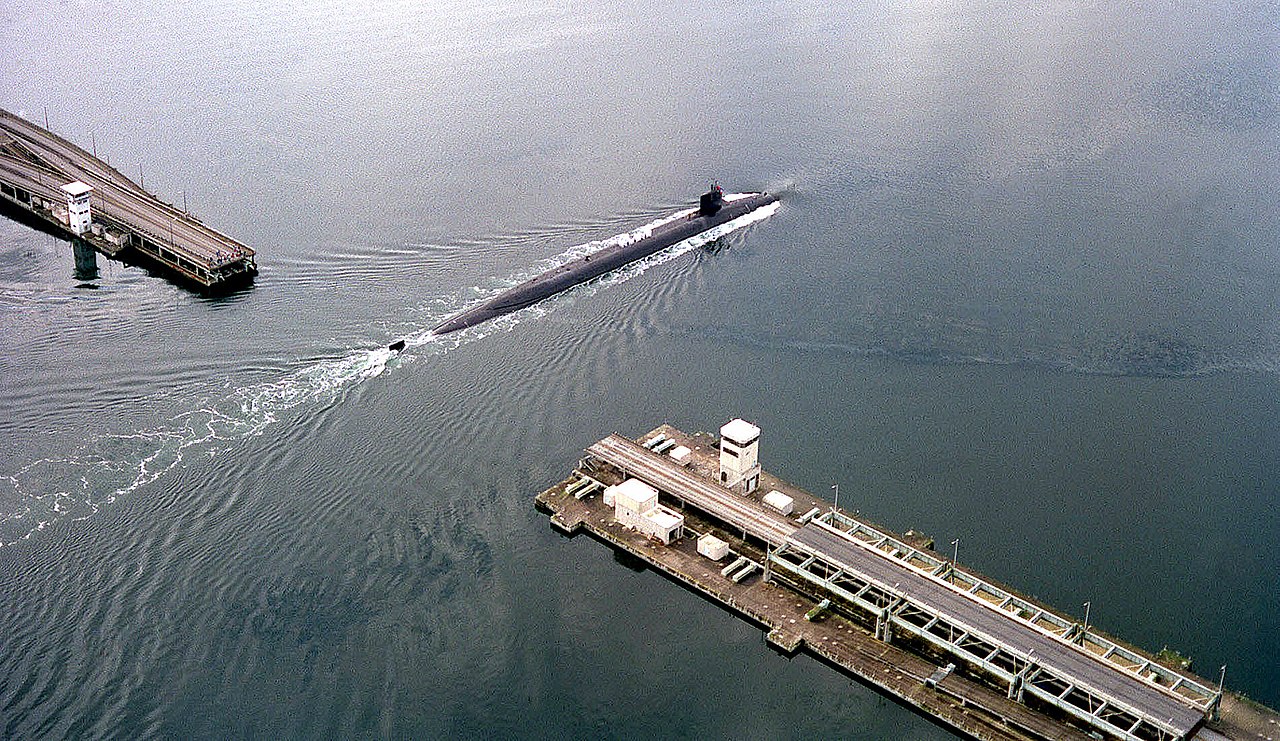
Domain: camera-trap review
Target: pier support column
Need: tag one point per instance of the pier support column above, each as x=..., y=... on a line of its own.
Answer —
x=884, y=626
x=86, y=260
x=1019, y=683
x=1015, y=687
x=1215, y=707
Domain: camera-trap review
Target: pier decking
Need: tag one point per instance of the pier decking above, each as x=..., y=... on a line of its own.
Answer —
x=36, y=164
x=896, y=612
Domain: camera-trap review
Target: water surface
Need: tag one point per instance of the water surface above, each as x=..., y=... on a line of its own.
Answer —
x=1022, y=291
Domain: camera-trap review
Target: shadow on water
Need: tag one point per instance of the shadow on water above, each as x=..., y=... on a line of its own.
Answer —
x=86, y=263
x=86, y=258
x=235, y=288
x=634, y=563
x=28, y=219
x=227, y=296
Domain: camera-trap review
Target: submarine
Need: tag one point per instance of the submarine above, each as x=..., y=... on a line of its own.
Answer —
x=713, y=210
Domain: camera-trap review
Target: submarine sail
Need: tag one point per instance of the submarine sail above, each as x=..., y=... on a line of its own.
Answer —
x=713, y=210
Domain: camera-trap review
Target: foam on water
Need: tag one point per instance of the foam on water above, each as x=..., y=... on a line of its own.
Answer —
x=619, y=276
x=105, y=466
x=639, y=267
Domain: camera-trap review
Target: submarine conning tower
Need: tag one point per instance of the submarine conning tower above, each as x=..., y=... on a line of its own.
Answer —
x=711, y=201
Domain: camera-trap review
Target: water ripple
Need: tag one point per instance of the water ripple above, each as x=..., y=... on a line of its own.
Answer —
x=105, y=466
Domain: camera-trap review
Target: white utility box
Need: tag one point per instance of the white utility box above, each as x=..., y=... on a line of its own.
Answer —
x=780, y=502
x=712, y=547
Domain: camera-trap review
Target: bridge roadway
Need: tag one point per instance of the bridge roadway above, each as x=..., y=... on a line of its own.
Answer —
x=670, y=478
x=1065, y=660
x=37, y=160
x=47, y=185
x=173, y=232
x=54, y=147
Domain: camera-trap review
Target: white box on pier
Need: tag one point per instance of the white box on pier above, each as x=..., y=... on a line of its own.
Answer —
x=780, y=501
x=712, y=547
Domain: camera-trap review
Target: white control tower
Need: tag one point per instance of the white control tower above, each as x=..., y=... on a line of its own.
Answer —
x=740, y=456
x=78, y=216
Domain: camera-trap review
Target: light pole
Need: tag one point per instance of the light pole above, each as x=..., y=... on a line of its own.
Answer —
x=955, y=556
x=836, y=505
x=1085, y=632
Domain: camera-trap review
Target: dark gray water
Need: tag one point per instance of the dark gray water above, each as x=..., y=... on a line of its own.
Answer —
x=1023, y=291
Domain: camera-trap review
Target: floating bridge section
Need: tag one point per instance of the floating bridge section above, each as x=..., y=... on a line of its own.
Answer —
x=1033, y=662
x=35, y=167
x=1042, y=658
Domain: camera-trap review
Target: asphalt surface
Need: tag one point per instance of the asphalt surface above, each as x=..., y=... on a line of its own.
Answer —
x=115, y=196
x=669, y=477
x=983, y=619
x=1056, y=656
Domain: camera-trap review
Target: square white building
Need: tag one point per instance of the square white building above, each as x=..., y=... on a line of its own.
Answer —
x=635, y=505
x=780, y=502
x=712, y=547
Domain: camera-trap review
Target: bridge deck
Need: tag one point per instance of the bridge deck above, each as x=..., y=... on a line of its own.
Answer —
x=1066, y=661
x=745, y=514
x=42, y=162
x=670, y=478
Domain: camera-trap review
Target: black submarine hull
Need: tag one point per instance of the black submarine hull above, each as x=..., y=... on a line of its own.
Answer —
x=708, y=216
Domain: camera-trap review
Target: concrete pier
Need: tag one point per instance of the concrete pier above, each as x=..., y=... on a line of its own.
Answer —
x=73, y=193
x=958, y=646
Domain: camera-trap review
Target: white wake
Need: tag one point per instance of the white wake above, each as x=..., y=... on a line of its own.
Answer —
x=105, y=466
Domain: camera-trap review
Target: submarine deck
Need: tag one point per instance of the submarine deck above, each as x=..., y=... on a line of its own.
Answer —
x=664, y=234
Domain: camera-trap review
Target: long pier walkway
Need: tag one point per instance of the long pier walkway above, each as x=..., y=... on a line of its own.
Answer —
x=1067, y=675
x=44, y=174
